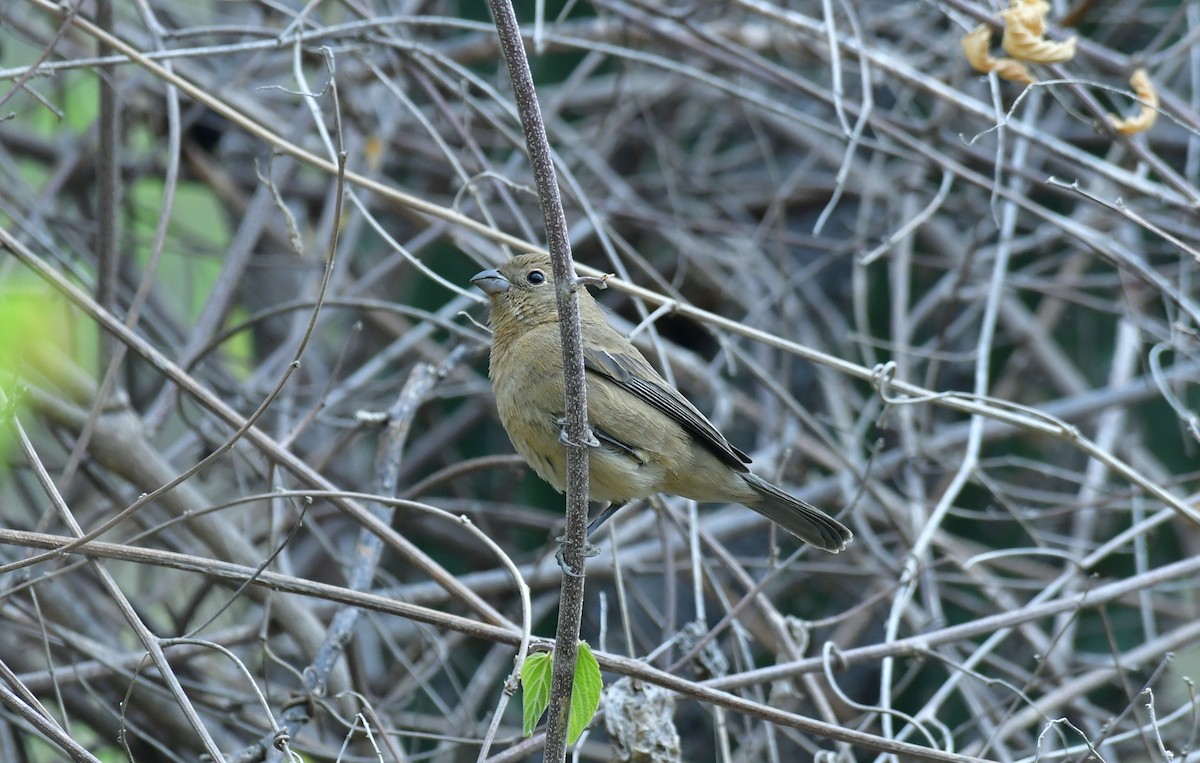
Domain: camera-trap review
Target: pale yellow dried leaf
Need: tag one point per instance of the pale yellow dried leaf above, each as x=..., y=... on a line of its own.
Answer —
x=1024, y=30
x=1030, y=14
x=1013, y=70
x=975, y=49
x=1148, y=111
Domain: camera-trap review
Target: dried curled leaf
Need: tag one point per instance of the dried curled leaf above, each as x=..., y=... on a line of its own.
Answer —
x=640, y=719
x=1148, y=98
x=1024, y=34
x=975, y=48
x=1030, y=15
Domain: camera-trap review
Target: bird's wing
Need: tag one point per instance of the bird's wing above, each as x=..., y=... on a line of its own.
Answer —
x=634, y=375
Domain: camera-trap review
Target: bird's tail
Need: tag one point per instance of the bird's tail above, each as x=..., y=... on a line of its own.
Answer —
x=805, y=521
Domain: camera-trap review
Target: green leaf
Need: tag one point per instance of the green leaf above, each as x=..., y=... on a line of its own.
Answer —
x=585, y=693
x=535, y=689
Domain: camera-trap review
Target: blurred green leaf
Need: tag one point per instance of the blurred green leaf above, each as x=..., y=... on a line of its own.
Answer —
x=36, y=325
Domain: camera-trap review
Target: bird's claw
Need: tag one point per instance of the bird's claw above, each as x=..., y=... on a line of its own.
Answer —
x=562, y=565
x=565, y=439
x=589, y=550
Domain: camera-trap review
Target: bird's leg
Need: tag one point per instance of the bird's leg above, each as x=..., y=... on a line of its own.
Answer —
x=589, y=549
x=596, y=438
x=603, y=517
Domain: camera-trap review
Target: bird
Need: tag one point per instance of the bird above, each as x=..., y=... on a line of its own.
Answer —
x=651, y=438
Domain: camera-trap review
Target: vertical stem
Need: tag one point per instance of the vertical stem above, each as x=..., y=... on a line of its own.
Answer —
x=570, y=610
x=108, y=178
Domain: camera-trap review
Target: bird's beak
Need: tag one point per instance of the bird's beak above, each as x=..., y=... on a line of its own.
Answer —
x=490, y=282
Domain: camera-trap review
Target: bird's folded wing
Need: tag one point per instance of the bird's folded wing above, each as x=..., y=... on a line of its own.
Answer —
x=634, y=375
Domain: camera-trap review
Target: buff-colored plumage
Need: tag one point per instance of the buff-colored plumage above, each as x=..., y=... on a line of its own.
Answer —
x=652, y=440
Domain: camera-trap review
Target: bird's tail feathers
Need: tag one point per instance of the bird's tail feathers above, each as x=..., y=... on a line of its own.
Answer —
x=805, y=521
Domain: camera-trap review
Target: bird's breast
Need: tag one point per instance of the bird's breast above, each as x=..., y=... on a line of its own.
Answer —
x=529, y=399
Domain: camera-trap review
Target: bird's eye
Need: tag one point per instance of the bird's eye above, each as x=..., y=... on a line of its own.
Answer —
x=536, y=277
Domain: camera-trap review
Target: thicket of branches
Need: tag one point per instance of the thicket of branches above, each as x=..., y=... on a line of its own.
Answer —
x=959, y=312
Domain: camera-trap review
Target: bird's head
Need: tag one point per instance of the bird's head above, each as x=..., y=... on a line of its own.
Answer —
x=521, y=292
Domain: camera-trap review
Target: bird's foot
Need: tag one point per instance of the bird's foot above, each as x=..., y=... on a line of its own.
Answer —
x=565, y=438
x=589, y=550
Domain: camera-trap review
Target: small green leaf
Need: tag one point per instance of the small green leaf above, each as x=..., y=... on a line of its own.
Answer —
x=535, y=689
x=585, y=693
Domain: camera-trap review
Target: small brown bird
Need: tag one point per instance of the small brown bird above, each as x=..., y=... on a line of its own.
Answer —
x=652, y=440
